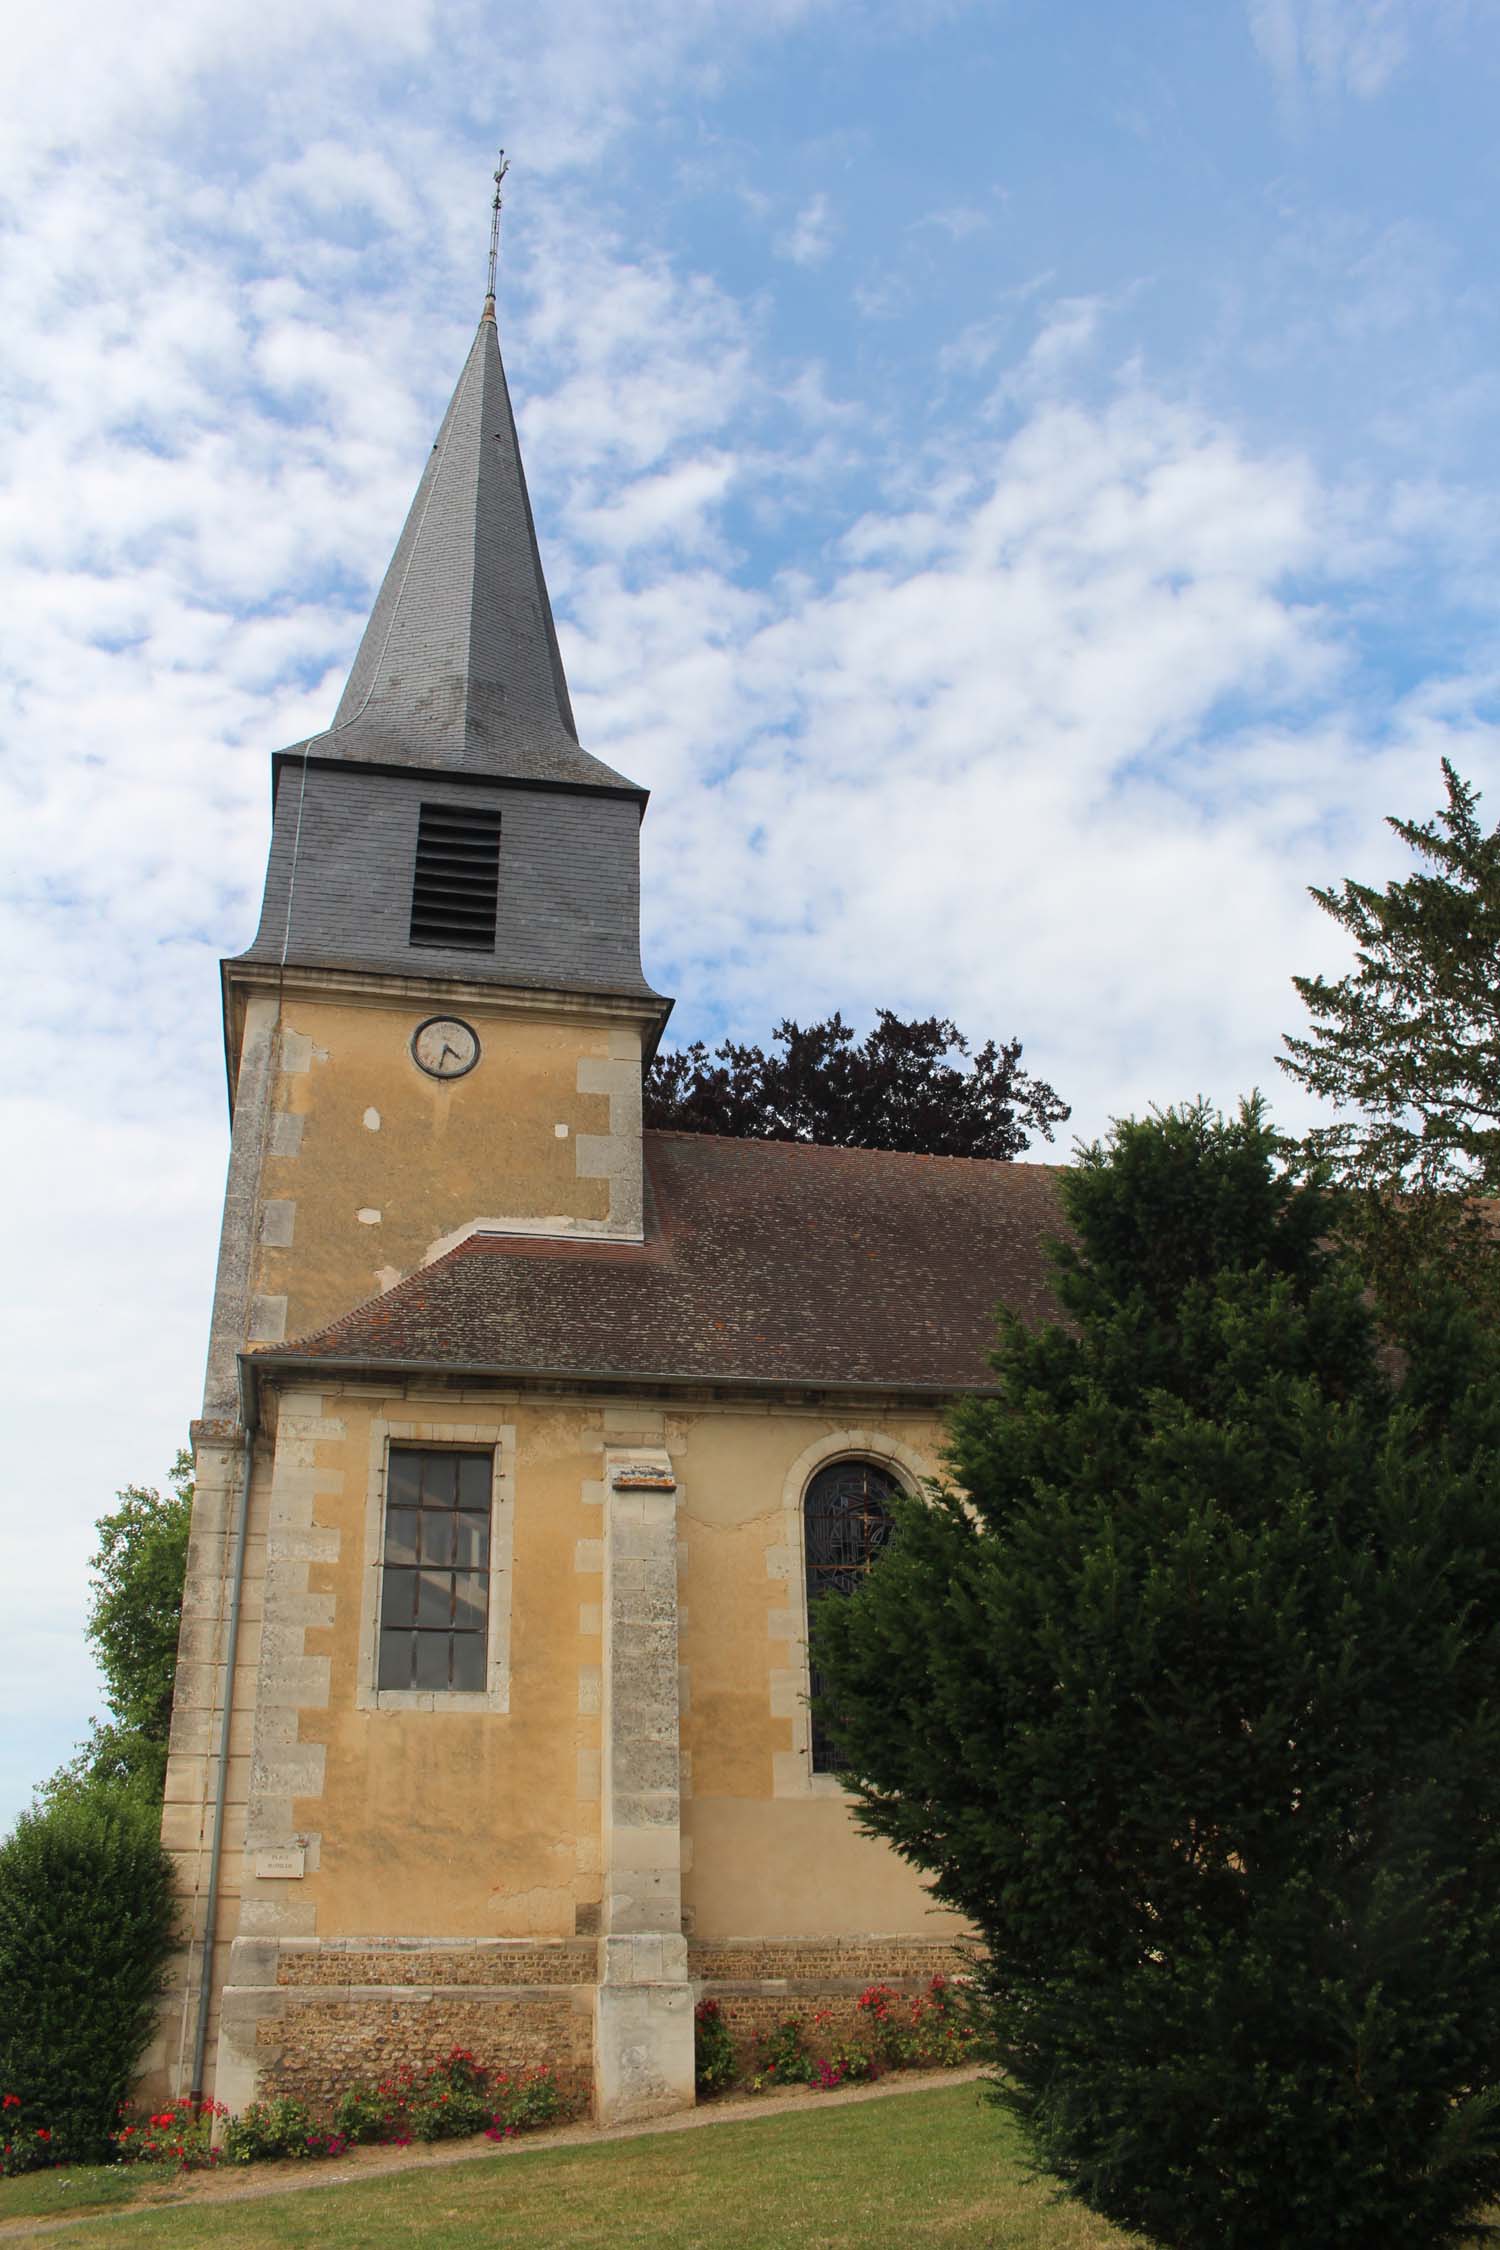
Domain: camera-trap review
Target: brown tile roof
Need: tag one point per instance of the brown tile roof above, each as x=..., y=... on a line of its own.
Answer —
x=764, y=1261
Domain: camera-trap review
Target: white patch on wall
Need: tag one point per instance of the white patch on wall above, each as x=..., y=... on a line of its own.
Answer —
x=368, y=1217
x=286, y=1133
x=278, y=1221
x=561, y=1132
x=372, y=1120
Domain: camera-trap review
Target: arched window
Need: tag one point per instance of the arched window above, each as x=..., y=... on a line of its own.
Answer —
x=846, y=1523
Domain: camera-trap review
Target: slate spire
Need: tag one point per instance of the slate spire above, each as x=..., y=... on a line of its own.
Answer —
x=459, y=670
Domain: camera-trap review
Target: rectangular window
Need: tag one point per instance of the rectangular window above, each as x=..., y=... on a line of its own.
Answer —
x=434, y=1595
x=455, y=893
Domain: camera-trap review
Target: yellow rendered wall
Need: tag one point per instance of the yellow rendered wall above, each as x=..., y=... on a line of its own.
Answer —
x=459, y=1824
x=772, y=1850
x=370, y=1163
x=486, y=1824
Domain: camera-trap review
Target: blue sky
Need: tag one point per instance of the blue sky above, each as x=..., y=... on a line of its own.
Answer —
x=1017, y=483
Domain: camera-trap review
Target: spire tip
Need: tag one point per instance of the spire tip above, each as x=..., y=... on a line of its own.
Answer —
x=500, y=171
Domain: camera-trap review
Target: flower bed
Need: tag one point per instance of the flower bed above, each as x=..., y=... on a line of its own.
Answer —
x=892, y=2031
x=458, y=2096
x=23, y=2147
x=447, y=2101
x=180, y=2136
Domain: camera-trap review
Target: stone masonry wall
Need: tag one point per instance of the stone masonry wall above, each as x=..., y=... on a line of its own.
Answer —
x=760, y=1983
x=494, y=1964
x=823, y=1964
x=342, y=2014
x=321, y=2044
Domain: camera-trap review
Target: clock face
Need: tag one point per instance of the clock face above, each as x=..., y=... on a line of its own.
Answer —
x=444, y=1047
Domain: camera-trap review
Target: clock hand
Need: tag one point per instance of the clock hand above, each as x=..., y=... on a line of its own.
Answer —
x=447, y=1050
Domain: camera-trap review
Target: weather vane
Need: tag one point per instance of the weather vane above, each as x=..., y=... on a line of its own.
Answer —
x=500, y=171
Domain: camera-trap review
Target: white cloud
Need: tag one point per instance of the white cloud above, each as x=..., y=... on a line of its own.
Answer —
x=958, y=221
x=984, y=762
x=1065, y=336
x=811, y=237
x=1343, y=46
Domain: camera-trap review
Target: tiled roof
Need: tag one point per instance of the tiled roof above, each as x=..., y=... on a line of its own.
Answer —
x=764, y=1261
x=459, y=669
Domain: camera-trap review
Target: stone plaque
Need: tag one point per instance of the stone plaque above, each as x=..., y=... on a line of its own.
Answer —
x=281, y=1860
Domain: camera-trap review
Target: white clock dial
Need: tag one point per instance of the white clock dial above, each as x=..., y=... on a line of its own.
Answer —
x=444, y=1047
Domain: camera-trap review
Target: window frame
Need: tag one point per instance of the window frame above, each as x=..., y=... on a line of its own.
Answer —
x=497, y=1439
x=401, y=1580
x=914, y=1464
x=830, y=1469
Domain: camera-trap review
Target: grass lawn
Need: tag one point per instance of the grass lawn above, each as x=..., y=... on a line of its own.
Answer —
x=929, y=2168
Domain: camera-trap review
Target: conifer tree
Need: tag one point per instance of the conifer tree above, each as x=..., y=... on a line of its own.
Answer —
x=1408, y=1045
x=1188, y=1698
x=1410, y=1038
x=86, y=1928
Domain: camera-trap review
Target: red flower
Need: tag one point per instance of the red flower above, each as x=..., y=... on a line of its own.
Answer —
x=11, y=2101
x=42, y=2133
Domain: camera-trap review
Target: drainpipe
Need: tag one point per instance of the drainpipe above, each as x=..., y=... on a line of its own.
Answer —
x=221, y=1790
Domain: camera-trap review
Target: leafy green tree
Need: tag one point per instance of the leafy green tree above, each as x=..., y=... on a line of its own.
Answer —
x=134, y=1617
x=86, y=1918
x=898, y=1088
x=1189, y=1699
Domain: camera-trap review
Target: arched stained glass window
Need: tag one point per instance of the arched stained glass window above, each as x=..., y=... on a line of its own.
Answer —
x=846, y=1523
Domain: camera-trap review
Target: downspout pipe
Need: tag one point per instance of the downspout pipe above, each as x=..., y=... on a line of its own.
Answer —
x=247, y=1402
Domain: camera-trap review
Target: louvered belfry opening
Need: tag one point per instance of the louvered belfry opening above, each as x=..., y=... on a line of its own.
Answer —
x=455, y=892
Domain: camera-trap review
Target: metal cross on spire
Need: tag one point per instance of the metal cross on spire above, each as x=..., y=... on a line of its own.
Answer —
x=500, y=171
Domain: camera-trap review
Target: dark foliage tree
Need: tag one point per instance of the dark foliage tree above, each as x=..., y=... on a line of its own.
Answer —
x=85, y=1930
x=1192, y=1706
x=898, y=1088
x=133, y=1623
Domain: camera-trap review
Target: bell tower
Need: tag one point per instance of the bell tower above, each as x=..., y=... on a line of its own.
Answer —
x=438, y=1030
x=440, y=1025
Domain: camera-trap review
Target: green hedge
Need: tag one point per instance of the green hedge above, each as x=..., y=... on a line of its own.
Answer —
x=86, y=1913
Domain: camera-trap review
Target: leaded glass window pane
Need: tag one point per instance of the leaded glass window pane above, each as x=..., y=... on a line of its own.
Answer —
x=846, y=1524
x=401, y=1535
x=437, y=1536
x=435, y=1589
x=471, y=1543
x=404, y=1483
x=474, y=1477
x=430, y=1653
x=468, y=1662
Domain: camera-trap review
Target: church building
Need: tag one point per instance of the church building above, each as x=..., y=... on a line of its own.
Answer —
x=529, y=1437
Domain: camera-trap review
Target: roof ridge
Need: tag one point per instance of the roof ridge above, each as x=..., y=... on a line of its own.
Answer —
x=846, y=1148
